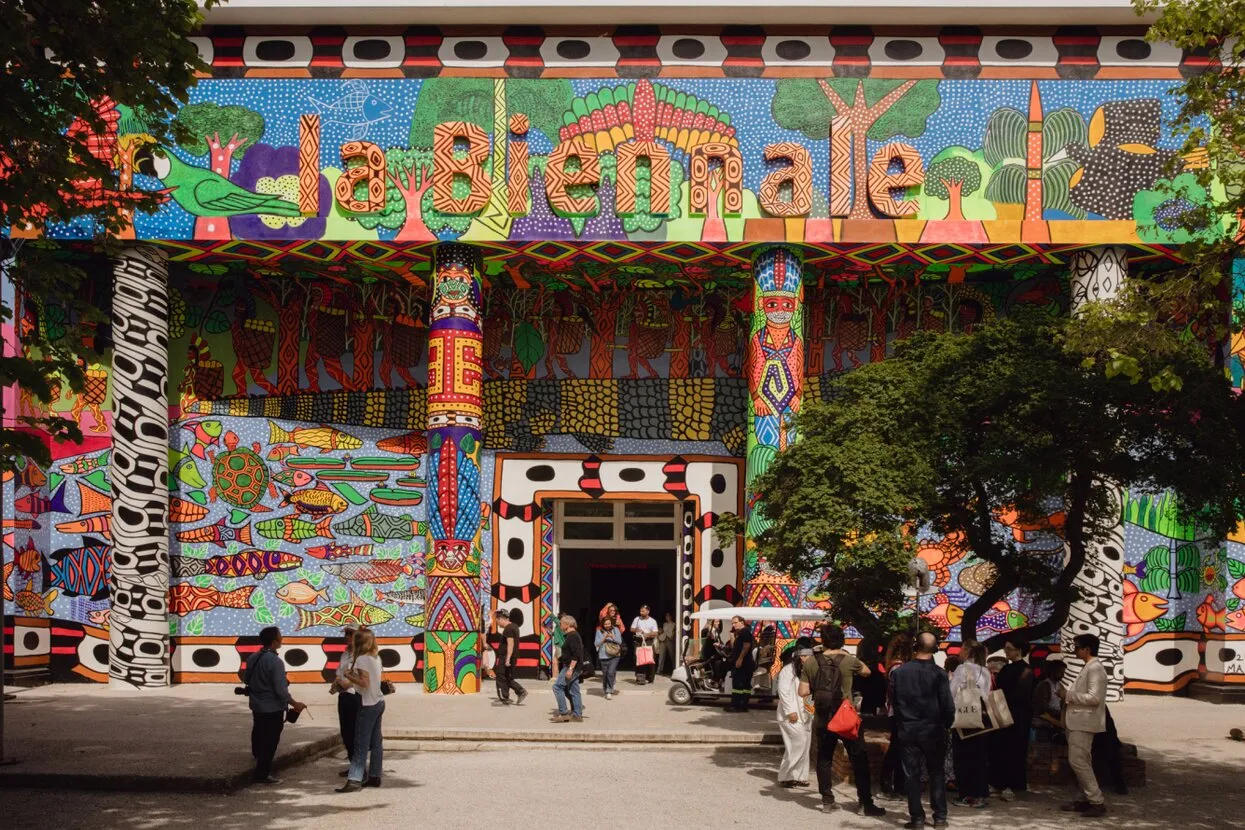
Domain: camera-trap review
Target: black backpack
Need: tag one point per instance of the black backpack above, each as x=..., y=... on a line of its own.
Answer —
x=827, y=685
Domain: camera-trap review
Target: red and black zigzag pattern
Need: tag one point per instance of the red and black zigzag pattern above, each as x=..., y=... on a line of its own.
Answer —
x=649, y=51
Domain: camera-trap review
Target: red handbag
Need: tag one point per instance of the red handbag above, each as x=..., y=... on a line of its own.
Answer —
x=846, y=722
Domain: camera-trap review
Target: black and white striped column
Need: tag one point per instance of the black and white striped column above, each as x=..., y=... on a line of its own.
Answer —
x=138, y=650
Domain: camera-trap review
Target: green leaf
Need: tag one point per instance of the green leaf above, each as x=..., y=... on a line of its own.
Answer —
x=1236, y=568
x=286, y=610
x=264, y=617
x=340, y=593
x=1233, y=603
x=1188, y=581
x=529, y=347
x=217, y=322
x=196, y=625
x=201, y=581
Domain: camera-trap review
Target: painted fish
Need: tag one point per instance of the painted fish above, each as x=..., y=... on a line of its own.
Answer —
x=20, y=524
x=416, y=620
x=28, y=557
x=182, y=467
x=355, y=611
x=410, y=443
x=1239, y=588
x=282, y=452
x=339, y=551
x=324, y=438
x=295, y=530
x=356, y=110
x=219, y=534
x=1209, y=617
x=1001, y=617
x=31, y=476
x=80, y=572
x=379, y=526
x=410, y=596
x=256, y=563
x=101, y=524
x=185, y=598
x=206, y=433
x=1140, y=608
x=945, y=615
x=181, y=510
x=34, y=603
x=379, y=571
x=293, y=478
x=87, y=464
x=36, y=504
x=315, y=501
x=8, y=571
x=1236, y=620
x=102, y=617
x=302, y=592
x=1022, y=528
x=92, y=501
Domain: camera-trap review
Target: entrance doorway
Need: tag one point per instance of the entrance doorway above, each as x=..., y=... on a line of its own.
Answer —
x=620, y=552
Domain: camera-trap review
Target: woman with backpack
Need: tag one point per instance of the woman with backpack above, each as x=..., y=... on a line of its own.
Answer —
x=971, y=753
x=609, y=645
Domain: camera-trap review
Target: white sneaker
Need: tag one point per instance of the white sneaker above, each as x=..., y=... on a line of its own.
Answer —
x=1006, y=794
x=608, y=696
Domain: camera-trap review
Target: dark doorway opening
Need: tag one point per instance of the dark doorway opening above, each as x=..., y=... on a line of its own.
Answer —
x=629, y=578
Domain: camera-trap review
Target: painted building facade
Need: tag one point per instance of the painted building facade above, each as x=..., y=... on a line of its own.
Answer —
x=425, y=303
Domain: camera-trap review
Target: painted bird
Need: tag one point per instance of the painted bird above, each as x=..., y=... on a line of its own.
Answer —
x=201, y=192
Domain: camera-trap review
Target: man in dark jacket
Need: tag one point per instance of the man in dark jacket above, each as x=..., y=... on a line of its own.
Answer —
x=570, y=668
x=270, y=696
x=924, y=711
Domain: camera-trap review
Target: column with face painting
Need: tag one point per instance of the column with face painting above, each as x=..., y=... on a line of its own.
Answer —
x=775, y=371
x=455, y=513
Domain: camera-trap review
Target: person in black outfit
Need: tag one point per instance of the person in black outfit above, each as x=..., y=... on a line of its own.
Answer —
x=269, y=693
x=1106, y=755
x=1009, y=748
x=923, y=711
x=741, y=664
x=507, y=655
x=347, y=695
x=570, y=669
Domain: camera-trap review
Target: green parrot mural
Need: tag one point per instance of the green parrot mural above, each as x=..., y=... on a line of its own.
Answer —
x=201, y=192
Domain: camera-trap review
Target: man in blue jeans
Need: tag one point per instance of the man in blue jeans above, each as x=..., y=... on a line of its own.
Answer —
x=924, y=711
x=570, y=664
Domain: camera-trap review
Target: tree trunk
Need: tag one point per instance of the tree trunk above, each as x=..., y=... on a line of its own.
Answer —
x=1004, y=585
x=860, y=168
x=955, y=192
x=220, y=159
x=414, y=229
x=715, y=226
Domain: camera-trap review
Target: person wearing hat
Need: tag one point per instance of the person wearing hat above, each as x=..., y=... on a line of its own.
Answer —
x=347, y=695
x=795, y=721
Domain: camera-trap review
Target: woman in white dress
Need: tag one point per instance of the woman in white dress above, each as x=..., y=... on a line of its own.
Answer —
x=795, y=721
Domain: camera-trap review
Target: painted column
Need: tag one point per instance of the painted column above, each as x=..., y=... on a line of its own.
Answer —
x=455, y=414
x=138, y=649
x=1096, y=274
x=775, y=371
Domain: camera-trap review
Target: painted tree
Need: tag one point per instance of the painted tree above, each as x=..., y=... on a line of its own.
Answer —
x=952, y=179
x=408, y=177
x=954, y=429
x=644, y=220
x=222, y=134
x=1006, y=151
x=875, y=110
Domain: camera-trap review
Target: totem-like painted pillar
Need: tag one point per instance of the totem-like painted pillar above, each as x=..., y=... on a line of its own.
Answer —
x=455, y=520
x=138, y=641
x=775, y=371
x=1096, y=274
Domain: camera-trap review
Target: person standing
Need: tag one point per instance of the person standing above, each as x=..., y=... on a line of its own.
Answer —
x=269, y=691
x=608, y=643
x=829, y=679
x=665, y=646
x=970, y=753
x=645, y=630
x=570, y=665
x=1085, y=715
x=347, y=696
x=507, y=656
x=741, y=664
x=898, y=652
x=365, y=675
x=794, y=720
x=1009, y=749
x=921, y=713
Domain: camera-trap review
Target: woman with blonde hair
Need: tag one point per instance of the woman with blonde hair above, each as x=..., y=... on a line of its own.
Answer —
x=365, y=675
x=971, y=753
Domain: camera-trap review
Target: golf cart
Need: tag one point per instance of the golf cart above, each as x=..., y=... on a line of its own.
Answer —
x=696, y=679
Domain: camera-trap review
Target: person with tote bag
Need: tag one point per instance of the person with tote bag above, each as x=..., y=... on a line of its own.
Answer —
x=970, y=686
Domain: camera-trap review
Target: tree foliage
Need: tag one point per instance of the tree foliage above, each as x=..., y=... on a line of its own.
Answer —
x=78, y=75
x=952, y=170
x=209, y=123
x=1158, y=314
x=955, y=430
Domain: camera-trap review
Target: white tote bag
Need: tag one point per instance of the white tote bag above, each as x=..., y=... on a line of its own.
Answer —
x=967, y=709
x=998, y=710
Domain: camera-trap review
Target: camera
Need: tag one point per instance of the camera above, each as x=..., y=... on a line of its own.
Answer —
x=242, y=690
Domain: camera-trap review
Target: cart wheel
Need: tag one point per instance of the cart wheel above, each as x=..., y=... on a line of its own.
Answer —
x=680, y=695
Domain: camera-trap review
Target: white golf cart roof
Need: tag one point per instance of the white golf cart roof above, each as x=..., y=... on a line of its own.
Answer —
x=762, y=613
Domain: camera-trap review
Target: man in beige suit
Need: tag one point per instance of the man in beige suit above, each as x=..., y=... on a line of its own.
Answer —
x=1085, y=715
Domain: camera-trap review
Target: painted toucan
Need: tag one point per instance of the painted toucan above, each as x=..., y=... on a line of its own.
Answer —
x=203, y=193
